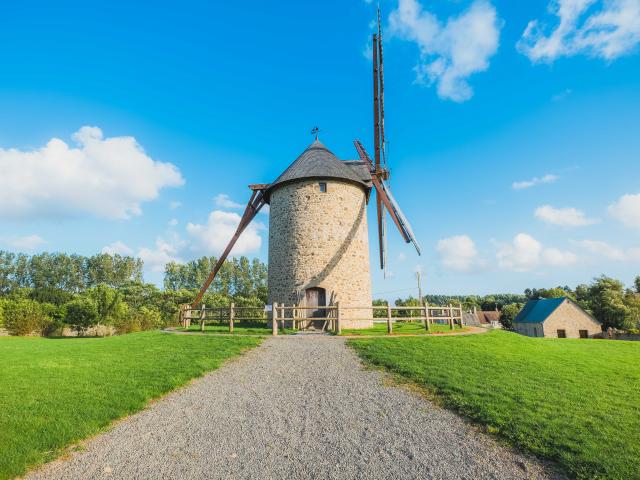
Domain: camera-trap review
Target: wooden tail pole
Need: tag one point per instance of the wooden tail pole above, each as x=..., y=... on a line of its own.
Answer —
x=253, y=207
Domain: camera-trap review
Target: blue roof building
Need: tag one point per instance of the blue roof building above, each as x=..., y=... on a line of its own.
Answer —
x=555, y=318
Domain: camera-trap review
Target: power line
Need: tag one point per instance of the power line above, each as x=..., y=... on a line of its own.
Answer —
x=394, y=291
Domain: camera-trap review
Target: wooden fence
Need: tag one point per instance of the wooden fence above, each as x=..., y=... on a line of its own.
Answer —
x=332, y=316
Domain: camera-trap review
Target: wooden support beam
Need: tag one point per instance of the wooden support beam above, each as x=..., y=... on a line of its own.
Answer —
x=389, y=324
x=231, y=316
x=256, y=202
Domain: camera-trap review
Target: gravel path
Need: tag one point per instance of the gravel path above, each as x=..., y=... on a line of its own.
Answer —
x=295, y=407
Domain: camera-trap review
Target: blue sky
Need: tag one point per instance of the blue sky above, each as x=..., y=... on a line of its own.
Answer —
x=512, y=128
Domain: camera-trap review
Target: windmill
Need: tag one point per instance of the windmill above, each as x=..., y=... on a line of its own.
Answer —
x=379, y=173
x=318, y=239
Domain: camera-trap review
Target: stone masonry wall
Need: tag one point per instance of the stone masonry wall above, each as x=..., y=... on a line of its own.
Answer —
x=571, y=318
x=321, y=240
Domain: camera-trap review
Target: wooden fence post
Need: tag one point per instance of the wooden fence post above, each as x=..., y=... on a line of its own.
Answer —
x=182, y=317
x=203, y=312
x=451, y=325
x=282, y=316
x=231, y=315
x=425, y=311
x=274, y=319
x=389, y=324
x=460, y=310
x=338, y=319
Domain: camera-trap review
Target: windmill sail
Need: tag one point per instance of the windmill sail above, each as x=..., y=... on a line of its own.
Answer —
x=405, y=226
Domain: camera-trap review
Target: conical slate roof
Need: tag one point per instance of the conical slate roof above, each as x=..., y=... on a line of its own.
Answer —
x=317, y=161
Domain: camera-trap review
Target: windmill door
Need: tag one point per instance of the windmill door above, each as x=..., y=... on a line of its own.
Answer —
x=316, y=297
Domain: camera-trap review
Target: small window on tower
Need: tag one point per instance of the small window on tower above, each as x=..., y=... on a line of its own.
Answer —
x=323, y=187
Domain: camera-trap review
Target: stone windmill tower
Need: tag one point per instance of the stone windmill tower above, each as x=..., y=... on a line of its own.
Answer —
x=318, y=236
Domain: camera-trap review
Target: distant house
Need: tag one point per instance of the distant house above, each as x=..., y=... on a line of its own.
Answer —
x=555, y=318
x=489, y=317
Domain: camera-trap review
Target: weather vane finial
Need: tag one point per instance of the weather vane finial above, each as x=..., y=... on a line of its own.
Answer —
x=315, y=131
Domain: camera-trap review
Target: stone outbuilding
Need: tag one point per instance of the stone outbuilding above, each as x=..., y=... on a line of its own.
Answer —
x=555, y=318
x=318, y=236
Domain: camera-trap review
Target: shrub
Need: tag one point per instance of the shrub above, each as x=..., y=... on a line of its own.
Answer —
x=81, y=314
x=25, y=317
x=2, y=304
x=109, y=303
x=57, y=314
x=139, y=319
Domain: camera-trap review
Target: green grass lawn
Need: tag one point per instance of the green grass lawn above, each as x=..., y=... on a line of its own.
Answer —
x=576, y=402
x=239, y=328
x=54, y=392
x=402, y=328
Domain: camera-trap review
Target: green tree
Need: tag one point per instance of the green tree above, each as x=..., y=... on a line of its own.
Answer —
x=636, y=284
x=108, y=302
x=509, y=313
x=408, y=302
x=606, y=300
x=81, y=314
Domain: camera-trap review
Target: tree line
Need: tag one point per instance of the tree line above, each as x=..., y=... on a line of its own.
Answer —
x=605, y=298
x=50, y=292
x=70, y=273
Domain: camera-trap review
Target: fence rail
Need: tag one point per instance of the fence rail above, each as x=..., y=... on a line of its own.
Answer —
x=332, y=315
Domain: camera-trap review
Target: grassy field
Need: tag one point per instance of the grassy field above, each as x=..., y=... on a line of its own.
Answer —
x=576, y=402
x=239, y=328
x=54, y=392
x=402, y=328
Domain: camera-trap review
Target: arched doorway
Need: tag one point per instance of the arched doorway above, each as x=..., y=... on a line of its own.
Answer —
x=316, y=297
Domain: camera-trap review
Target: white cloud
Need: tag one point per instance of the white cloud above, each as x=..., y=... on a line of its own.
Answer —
x=458, y=253
x=213, y=237
x=23, y=243
x=558, y=258
x=627, y=210
x=117, y=248
x=548, y=178
x=175, y=205
x=609, y=251
x=564, y=217
x=222, y=200
x=106, y=177
x=164, y=252
x=525, y=253
x=521, y=255
x=450, y=52
x=600, y=28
